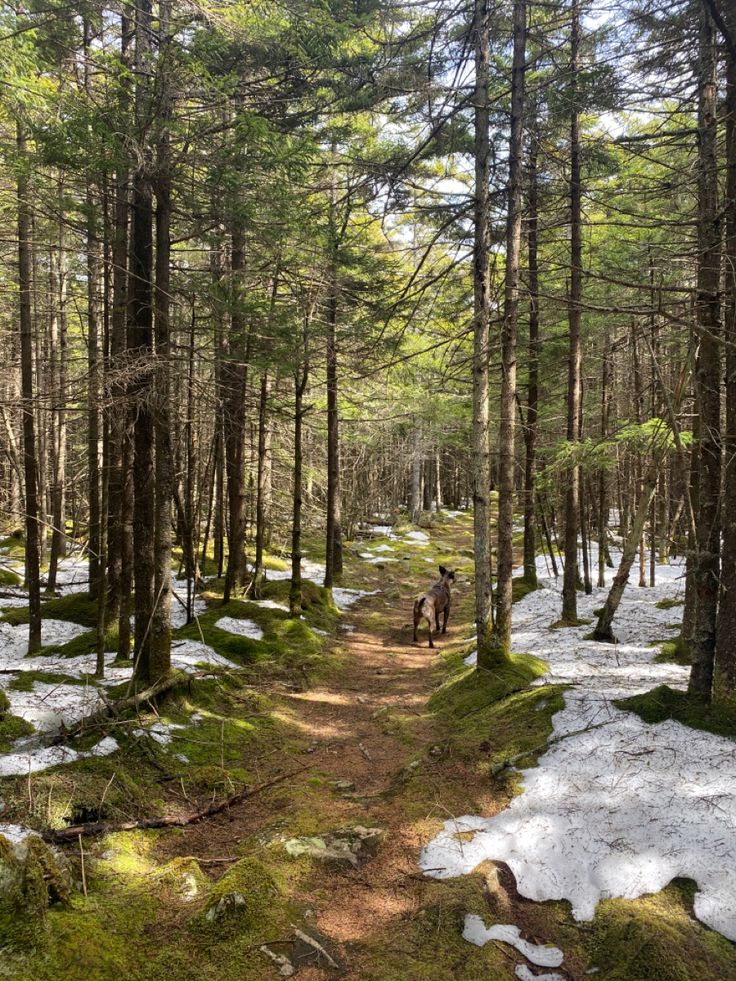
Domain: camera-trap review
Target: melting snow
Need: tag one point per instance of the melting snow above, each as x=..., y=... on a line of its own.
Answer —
x=20, y=763
x=241, y=627
x=159, y=731
x=616, y=807
x=477, y=933
x=345, y=598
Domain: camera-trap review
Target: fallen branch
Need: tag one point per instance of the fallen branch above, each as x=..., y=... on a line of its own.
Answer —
x=94, y=829
x=111, y=710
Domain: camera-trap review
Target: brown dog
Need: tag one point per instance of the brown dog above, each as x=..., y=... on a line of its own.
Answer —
x=435, y=601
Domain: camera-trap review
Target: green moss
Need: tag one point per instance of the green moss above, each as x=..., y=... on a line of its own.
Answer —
x=76, y=608
x=673, y=652
x=30, y=879
x=663, y=703
x=657, y=937
x=12, y=727
x=474, y=691
x=247, y=900
x=10, y=578
x=521, y=588
x=669, y=604
x=4, y=703
x=430, y=945
x=26, y=680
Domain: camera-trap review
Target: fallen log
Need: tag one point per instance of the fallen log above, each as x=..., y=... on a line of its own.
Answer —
x=94, y=829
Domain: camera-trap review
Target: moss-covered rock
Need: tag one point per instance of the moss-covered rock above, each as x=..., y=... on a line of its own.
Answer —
x=31, y=878
x=247, y=899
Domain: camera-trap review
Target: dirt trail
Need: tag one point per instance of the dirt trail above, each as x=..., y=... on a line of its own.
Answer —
x=362, y=726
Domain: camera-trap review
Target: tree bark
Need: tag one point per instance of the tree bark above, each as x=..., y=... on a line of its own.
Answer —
x=159, y=663
x=532, y=406
x=487, y=657
x=140, y=344
x=30, y=460
x=725, y=657
x=507, y=428
x=572, y=498
x=707, y=371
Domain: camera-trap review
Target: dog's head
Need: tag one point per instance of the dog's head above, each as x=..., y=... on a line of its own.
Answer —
x=448, y=575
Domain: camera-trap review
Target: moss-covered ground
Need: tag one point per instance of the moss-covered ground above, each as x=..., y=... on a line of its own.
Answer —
x=332, y=732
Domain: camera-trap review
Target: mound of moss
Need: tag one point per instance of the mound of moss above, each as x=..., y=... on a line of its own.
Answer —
x=31, y=878
x=663, y=703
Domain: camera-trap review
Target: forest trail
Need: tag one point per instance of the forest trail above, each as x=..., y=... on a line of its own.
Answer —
x=363, y=725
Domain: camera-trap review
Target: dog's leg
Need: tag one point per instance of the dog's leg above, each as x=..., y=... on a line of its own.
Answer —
x=417, y=618
x=444, y=624
x=437, y=621
x=429, y=624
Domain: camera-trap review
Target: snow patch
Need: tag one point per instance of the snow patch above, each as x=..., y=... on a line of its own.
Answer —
x=345, y=598
x=20, y=763
x=479, y=934
x=615, y=807
x=241, y=627
x=524, y=974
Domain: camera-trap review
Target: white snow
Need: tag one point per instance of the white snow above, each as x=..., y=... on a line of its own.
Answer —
x=187, y=655
x=477, y=933
x=16, y=833
x=161, y=732
x=616, y=807
x=417, y=536
x=345, y=598
x=268, y=604
x=240, y=626
x=20, y=763
x=524, y=974
x=14, y=639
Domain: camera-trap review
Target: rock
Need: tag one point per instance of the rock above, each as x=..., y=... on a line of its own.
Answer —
x=342, y=785
x=286, y=968
x=226, y=904
x=344, y=848
x=32, y=877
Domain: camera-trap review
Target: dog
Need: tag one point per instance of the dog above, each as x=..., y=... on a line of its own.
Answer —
x=436, y=600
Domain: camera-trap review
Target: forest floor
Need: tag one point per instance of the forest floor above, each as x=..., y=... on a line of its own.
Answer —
x=363, y=752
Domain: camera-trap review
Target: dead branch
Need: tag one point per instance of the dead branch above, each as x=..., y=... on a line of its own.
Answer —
x=95, y=829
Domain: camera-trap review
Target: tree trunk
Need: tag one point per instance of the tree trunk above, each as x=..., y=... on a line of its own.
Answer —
x=572, y=499
x=234, y=383
x=603, y=629
x=487, y=657
x=30, y=460
x=507, y=428
x=532, y=405
x=159, y=663
x=333, y=551
x=258, y=572
x=140, y=344
x=707, y=371
x=725, y=667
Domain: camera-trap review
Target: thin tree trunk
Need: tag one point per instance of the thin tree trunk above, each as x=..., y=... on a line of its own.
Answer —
x=572, y=501
x=487, y=658
x=30, y=460
x=234, y=384
x=707, y=371
x=258, y=572
x=160, y=651
x=725, y=667
x=603, y=629
x=333, y=533
x=532, y=410
x=140, y=343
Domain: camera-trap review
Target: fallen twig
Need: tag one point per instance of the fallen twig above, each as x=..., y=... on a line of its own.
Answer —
x=97, y=828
